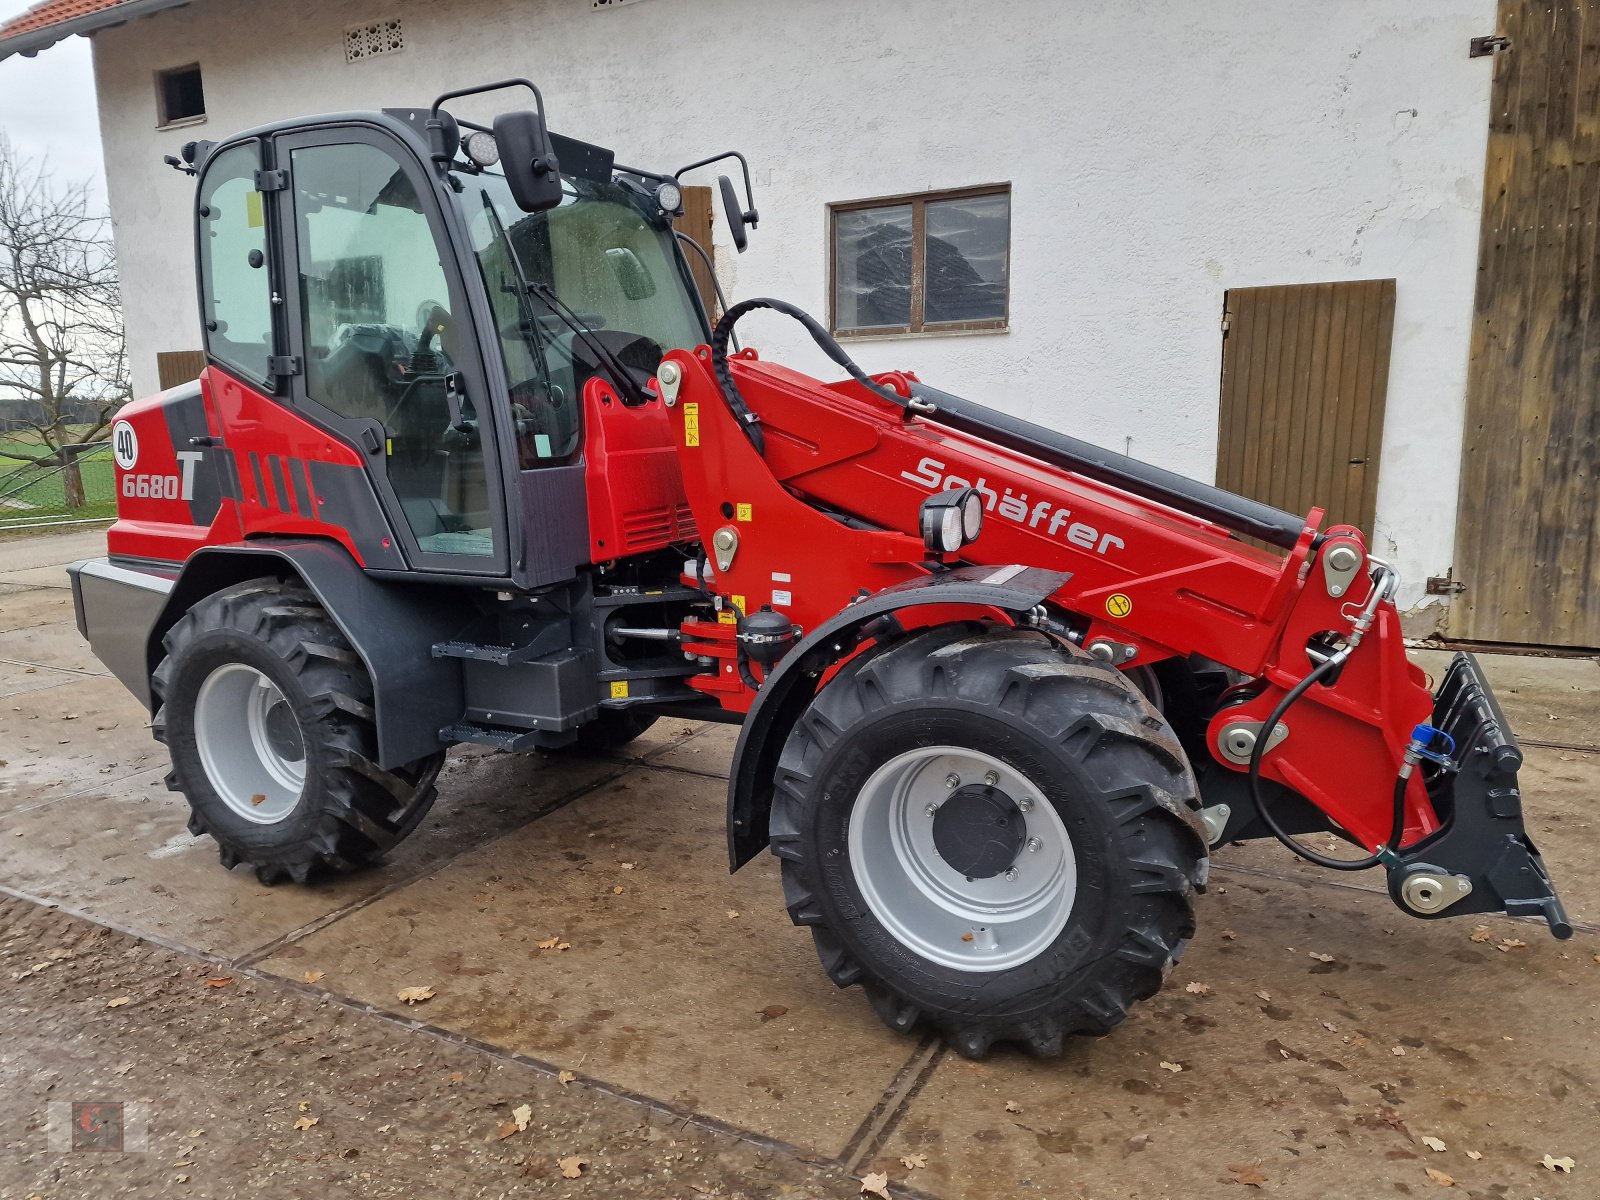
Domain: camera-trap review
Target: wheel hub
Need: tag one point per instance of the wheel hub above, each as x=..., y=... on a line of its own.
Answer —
x=979, y=831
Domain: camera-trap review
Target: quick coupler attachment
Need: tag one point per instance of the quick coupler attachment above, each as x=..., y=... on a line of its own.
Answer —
x=1482, y=860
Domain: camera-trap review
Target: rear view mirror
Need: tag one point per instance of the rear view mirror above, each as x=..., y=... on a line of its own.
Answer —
x=735, y=213
x=632, y=275
x=529, y=160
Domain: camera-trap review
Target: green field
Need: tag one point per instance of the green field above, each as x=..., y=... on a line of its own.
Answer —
x=30, y=494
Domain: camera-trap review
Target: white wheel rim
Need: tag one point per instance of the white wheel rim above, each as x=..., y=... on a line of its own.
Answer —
x=926, y=904
x=250, y=743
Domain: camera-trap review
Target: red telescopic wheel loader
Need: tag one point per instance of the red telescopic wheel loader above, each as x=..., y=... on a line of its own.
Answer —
x=470, y=463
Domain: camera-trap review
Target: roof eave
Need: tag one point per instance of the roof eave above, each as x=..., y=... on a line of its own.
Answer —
x=35, y=40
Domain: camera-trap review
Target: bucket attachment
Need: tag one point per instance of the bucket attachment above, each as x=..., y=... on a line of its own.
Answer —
x=1482, y=860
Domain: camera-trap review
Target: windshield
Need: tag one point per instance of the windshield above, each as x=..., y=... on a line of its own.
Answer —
x=614, y=274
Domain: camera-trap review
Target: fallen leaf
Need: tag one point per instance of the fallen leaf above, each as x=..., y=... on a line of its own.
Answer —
x=522, y=1114
x=1474, y=1155
x=912, y=1161
x=1434, y=1144
x=1330, y=1026
x=1171, y=1066
x=1248, y=1174
x=506, y=1130
x=1398, y=1051
x=1439, y=1177
x=385, y=1128
x=1564, y=1165
x=572, y=1166
x=617, y=890
x=180, y=1179
x=1320, y=957
x=565, y=1078
x=1229, y=934
x=733, y=914
x=1481, y=934
x=967, y=936
x=313, y=976
x=220, y=981
x=415, y=995
x=306, y=1122
x=548, y=943
x=563, y=945
x=305, y=1106
x=119, y=1001
x=1013, y=1107
x=1267, y=996
x=877, y=1183
x=1197, y=989
x=457, y=1077
x=772, y=1012
x=258, y=798
x=1507, y=944
x=627, y=866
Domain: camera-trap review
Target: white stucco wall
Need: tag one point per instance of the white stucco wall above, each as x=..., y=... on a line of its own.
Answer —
x=1159, y=153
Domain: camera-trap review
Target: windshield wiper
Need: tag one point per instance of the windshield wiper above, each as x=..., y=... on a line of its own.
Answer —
x=527, y=288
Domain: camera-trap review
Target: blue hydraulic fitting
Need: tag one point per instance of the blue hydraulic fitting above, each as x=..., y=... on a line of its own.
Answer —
x=1432, y=744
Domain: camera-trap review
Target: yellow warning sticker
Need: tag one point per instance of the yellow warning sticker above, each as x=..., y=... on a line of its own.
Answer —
x=619, y=690
x=1118, y=605
x=726, y=617
x=741, y=512
x=691, y=424
x=252, y=210
x=738, y=603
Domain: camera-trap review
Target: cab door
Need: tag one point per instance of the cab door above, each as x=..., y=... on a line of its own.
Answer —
x=379, y=322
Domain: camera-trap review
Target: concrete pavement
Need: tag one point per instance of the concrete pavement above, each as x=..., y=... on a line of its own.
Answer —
x=687, y=986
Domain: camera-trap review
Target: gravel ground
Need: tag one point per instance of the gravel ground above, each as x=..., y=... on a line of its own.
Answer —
x=228, y=1070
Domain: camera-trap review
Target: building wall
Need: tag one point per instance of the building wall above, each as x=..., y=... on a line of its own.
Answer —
x=1159, y=153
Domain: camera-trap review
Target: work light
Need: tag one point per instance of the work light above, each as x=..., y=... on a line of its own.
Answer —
x=951, y=519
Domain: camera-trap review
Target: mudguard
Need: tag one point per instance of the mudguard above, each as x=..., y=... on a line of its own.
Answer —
x=393, y=627
x=787, y=691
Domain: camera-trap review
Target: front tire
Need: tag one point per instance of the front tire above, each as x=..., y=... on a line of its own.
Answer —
x=267, y=712
x=991, y=834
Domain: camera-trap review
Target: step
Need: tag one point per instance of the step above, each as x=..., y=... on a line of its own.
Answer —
x=500, y=656
x=488, y=735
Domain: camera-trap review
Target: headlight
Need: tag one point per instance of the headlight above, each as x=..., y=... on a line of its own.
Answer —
x=669, y=196
x=951, y=519
x=482, y=148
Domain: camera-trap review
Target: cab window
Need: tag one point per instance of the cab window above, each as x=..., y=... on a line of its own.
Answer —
x=236, y=290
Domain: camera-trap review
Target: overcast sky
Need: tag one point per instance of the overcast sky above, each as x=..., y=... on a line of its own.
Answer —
x=47, y=105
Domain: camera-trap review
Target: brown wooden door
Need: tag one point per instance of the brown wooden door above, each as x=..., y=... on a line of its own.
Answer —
x=696, y=222
x=1305, y=370
x=179, y=366
x=1528, y=530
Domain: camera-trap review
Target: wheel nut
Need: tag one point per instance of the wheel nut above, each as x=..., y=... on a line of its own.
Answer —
x=1034, y=844
x=952, y=780
x=1025, y=804
x=931, y=809
x=1011, y=874
x=992, y=778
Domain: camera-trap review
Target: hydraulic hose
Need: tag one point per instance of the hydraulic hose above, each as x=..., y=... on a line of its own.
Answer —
x=748, y=421
x=1381, y=588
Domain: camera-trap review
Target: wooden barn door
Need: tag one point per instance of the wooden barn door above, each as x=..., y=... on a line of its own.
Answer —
x=1528, y=533
x=1305, y=370
x=696, y=222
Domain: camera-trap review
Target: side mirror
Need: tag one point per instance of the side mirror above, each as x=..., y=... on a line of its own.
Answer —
x=529, y=160
x=632, y=275
x=735, y=213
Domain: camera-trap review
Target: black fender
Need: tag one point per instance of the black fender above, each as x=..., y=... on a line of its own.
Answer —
x=393, y=627
x=787, y=691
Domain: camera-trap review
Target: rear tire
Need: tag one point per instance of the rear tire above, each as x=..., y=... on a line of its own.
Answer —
x=1040, y=894
x=267, y=712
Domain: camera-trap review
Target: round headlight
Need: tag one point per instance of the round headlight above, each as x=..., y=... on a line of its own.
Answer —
x=971, y=516
x=482, y=148
x=669, y=196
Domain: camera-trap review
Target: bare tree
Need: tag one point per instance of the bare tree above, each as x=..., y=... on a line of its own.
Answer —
x=63, y=356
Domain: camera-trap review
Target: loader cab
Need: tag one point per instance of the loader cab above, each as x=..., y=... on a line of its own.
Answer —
x=405, y=304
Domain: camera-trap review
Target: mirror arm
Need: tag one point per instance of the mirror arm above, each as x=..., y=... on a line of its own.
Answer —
x=751, y=217
x=436, y=127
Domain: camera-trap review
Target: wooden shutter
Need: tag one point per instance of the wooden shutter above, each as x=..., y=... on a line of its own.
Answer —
x=179, y=366
x=1528, y=525
x=1305, y=371
x=696, y=222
